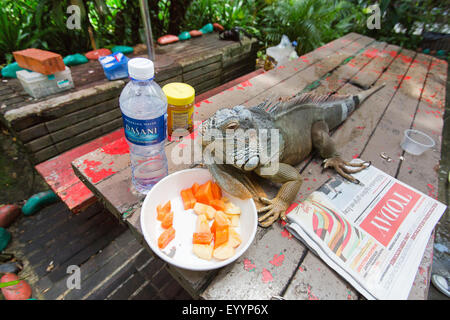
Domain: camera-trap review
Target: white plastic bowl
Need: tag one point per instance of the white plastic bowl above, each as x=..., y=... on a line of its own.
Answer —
x=179, y=251
x=416, y=142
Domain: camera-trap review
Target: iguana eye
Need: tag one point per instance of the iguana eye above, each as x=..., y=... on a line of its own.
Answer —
x=232, y=125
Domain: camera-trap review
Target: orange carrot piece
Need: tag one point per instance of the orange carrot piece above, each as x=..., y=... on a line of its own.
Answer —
x=217, y=192
x=188, y=198
x=204, y=193
x=167, y=221
x=195, y=187
x=217, y=204
x=162, y=211
x=202, y=238
x=221, y=221
x=165, y=237
x=221, y=237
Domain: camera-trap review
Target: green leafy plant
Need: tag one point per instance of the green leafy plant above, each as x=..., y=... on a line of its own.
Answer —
x=311, y=23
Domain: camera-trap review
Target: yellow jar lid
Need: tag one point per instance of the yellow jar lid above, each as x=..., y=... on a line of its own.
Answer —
x=179, y=94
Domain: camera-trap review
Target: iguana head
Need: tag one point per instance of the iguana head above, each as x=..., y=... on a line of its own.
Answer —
x=236, y=134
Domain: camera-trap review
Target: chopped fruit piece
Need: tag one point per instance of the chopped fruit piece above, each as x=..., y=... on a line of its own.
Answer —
x=162, y=211
x=204, y=193
x=195, y=187
x=167, y=221
x=202, y=237
x=188, y=198
x=223, y=252
x=202, y=224
x=231, y=208
x=203, y=251
x=217, y=193
x=165, y=237
x=234, y=238
x=221, y=220
x=208, y=211
x=217, y=204
x=220, y=236
x=233, y=219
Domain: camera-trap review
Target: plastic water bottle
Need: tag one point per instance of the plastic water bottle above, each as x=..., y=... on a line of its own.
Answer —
x=144, y=112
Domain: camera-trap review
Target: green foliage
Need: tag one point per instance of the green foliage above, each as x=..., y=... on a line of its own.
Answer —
x=311, y=23
x=401, y=21
x=229, y=13
x=16, y=29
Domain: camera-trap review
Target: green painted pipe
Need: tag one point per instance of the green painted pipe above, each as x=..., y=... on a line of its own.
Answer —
x=39, y=201
x=5, y=237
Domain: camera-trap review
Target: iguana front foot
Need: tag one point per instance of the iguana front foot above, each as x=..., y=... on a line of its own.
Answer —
x=341, y=167
x=275, y=208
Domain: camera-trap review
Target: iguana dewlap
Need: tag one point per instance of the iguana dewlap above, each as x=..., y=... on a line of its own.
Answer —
x=234, y=150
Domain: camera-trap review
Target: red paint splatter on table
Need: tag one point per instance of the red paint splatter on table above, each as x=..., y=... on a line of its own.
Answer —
x=248, y=265
x=246, y=83
x=277, y=260
x=371, y=53
x=311, y=296
x=286, y=234
x=266, y=276
x=120, y=146
x=94, y=175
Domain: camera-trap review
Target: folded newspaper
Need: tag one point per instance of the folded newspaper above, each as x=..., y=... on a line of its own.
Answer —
x=373, y=234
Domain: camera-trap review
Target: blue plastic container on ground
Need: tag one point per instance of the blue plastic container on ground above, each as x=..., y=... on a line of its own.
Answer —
x=115, y=66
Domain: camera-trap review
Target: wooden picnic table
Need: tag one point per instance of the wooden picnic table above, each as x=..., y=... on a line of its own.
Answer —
x=277, y=264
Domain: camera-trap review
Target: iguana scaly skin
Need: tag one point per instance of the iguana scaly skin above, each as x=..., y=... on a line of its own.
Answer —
x=303, y=123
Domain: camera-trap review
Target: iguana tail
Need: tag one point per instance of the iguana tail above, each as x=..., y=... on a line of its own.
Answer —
x=340, y=108
x=367, y=93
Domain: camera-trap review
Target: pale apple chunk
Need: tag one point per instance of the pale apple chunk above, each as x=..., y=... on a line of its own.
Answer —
x=231, y=208
x=202, y=224
x=224, y=251
x=208, y=211
x=234, y=219
x=203, y=251
x=234, y=238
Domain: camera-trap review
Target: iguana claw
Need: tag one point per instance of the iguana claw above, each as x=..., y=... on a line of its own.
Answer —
x=275, y=208
x=341, y=167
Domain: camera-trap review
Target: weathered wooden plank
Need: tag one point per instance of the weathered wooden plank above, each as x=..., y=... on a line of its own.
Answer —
x=348, y=70
x=422, y=171
x=308, y=76
x=274, y=243
x=78, y=116
x=32, y=114
x=398, y=116
x=314, y=282
x=80, y=127
x=201, y=71
x=87, y=135
x=351, y=137
x=259, y=84
x=39, y=143
x=32, y=133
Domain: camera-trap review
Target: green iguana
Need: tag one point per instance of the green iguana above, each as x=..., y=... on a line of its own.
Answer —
x=303, y=124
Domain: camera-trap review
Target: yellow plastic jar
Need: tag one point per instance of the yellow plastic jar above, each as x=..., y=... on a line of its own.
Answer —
x=180, y=107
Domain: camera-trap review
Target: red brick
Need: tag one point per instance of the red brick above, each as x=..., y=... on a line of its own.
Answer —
x=38, y=60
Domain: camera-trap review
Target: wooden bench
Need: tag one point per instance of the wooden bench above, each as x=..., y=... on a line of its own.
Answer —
x=51, y=125
x=58, y=172
x=414, y=97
